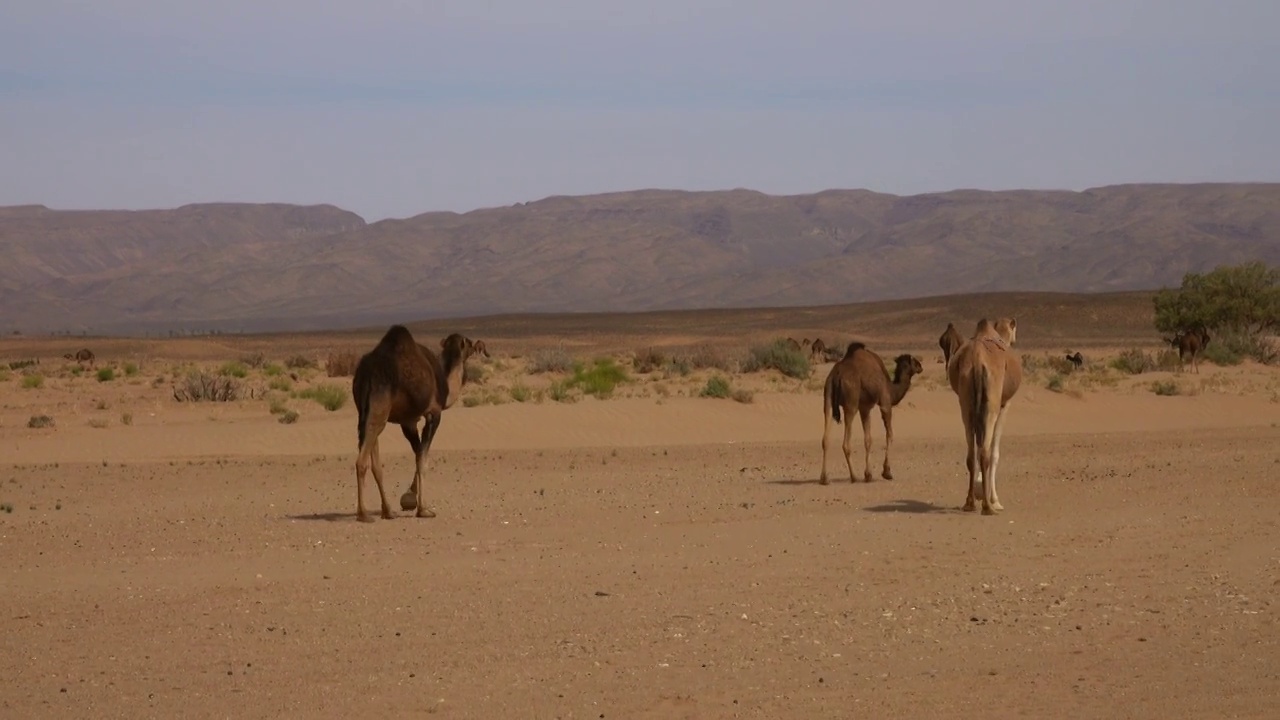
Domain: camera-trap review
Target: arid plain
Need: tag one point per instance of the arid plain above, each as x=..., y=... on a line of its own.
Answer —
x=655, y=553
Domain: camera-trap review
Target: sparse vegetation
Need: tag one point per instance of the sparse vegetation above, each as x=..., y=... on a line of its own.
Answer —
x=341, y=363
x=648, y=360
x=20, y=364
x=1056, y=383
x=277, y=407
x=600, y=379
x=473, y=373
x=299, y=362
x=1239, y=303
x=288, y=417
x=717, y=387
x=330, y=397
x=561, y=391
x=1134, y=362
x=201, y=386
x=743, y=396
x=5, y=374
x=254, y=360
x=1165, y=387
x=282, y=384
x=550, y=360
x=31, y=382
x=99, y=423
x=521, y=392
x=781, y=357
x=106, y=374
x=126, y=418
x=234, y=369
x=272, y=370
x=131, y=369
x=40, y=421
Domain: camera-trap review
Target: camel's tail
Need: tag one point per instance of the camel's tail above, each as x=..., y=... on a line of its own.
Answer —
x=834, y=397
x=978, y=409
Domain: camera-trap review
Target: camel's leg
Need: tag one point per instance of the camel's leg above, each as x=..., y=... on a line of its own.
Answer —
x=886, y=415
x=865, y=415
x=372, y=429
x=984, y=457
x=848, y=444
x=970, y=460
x=409, y=500
x=428, y=434
x=827, y=420
x=995, y=459
x=377, y=477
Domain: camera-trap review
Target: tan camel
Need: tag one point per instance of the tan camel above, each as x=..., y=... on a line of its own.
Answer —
x=1190, y=343
x=479, y=348
x=985, y=375
x=950, y=341
x=861, y=381
x=84, y=356
x=400, y=381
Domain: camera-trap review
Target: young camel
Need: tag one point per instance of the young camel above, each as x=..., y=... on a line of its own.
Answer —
x=861, y=381
x=985, y=375
x=400, y=381
x=818, y=350
x=1190, y=343
x=950, y=342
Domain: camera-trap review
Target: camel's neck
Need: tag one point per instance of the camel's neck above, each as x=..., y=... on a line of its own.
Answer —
x=452, y=386
x=898, y=389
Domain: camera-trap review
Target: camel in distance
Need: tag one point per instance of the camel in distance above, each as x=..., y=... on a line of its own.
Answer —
x=401, y=381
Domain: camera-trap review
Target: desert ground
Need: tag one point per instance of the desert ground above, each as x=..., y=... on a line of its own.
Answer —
x=645, y=552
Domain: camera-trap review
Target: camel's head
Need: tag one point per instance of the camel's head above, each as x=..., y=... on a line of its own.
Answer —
x=479, y=348
x=456, y=348
x=1007, y=328
x=906, y=367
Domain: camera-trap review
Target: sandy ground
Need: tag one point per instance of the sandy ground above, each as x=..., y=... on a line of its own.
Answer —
x=656, y=554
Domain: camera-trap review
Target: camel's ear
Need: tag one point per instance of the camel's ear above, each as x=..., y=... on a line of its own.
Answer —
x=1013, y=323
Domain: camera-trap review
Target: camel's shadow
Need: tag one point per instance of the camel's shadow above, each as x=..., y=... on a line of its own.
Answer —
x=327, y=516
x=917, y=507
x=793, y=481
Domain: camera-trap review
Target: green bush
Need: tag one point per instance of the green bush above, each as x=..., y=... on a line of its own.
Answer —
x=1056, y=383
x=1134, y=362
x=1165, y=387
x=779, y=356
x=234, y=369
x=330, y=397
x=32, y=382
x=717, y=387
x=131, y=369
x=106, y=374
x=288, y=417
x=520, y=392
x=600, y=379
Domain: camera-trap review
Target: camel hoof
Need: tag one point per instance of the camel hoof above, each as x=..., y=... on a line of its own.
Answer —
x=823, y=481
x=969, y=507
x=425, y=513
x=988, y=510
x=364, y=518
x=386, y=514
x=408, y=501
x=868, y=478
x=886, y=475
x=997, y=507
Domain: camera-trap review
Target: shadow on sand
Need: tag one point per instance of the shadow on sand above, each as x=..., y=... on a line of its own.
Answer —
x=330, y=516
x=910, y=506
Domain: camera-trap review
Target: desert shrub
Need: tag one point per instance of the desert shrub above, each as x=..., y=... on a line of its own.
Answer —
x=299, y=362
x=600, y=379
x=288, y=417
x=743, y=396
x=648, y=360
x=550, y=360
x=705, y=357
x=201, y=386
x=717, y=387
x=32, y=382
x=561, y=391
x=1060, y=364
x=1056, y=383
x=779, y=356
x=20, y=364
x=1233, y=346
x=40, y=421
x=1165, y=387
x=126, y=418
x=272, y=370
x=283, y=384
x=1244, y=298
x=473, y=400
x=234, y=369
x=330, y=397
x=1133, y=362
x=1166, y=359
x=254, y=360
x=521, y=392
x=106, y=374
x=99, y=423
x=341, y=364
x=277, y=407
x=131, y=369
x=5, y=374
x=473, y=373
x=1030, y=363
x=677, y=366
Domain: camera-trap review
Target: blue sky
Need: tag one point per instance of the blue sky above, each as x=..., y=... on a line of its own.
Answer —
x=392, y=108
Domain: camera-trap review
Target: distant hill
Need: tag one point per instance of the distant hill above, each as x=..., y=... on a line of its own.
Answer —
x=282, y=267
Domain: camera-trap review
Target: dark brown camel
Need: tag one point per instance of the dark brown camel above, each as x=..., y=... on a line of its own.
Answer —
x=82, y=356
x=1076, y=359
x=861, y=381
x=400, y=381
x=818, y=350
x=950, y=341
x=1190, y=343
x=479, y=348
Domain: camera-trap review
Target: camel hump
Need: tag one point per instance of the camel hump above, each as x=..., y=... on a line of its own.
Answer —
x=854, y=347
x=397, y=336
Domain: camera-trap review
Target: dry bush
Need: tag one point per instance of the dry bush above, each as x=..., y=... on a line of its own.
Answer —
x=254, y=360
x=206, y=387
x=299, y=362
x=341, y=363
x=648, y=360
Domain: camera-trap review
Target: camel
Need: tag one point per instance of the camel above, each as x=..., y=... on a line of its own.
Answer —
x=479, y=348
x=1190, y=343
x=950, y=342
x=400, y=381
x=82, y=356
x=792, y=344
x=1076, y=359
x=985, y=375
x=818, y=349
x=860, y=380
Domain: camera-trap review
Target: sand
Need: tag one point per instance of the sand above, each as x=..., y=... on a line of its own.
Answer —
x=655, y=554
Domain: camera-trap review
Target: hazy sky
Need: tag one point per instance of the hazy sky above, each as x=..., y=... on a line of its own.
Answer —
x=392, y=108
